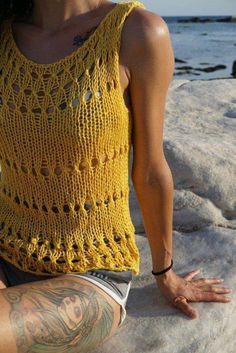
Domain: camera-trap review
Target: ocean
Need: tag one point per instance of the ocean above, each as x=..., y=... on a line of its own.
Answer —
x=203, y=45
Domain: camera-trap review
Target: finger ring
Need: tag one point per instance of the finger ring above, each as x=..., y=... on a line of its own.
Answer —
x=179, y=298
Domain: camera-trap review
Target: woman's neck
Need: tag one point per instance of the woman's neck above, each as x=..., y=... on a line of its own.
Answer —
x=54, y=15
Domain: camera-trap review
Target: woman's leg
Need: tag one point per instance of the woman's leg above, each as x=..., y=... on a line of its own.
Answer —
x=63, y=314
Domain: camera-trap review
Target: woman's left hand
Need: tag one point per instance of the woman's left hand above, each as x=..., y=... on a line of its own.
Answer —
x=181, y=290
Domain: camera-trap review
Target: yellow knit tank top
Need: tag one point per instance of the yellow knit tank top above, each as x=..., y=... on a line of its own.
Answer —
x=65, y=135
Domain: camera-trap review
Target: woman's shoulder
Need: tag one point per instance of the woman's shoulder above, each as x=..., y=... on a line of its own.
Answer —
x=142, y=23
x=143, y=29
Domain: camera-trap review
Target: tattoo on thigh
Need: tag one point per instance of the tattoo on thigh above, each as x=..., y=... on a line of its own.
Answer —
x=60, y=316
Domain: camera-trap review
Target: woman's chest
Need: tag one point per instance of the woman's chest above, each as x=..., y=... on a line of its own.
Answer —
x=53, y=49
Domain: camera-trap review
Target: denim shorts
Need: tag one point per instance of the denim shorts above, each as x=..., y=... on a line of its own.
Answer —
x=115, y=283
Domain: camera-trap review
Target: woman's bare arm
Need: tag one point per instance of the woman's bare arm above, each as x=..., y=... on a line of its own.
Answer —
x=151, y=64
x=151, y=69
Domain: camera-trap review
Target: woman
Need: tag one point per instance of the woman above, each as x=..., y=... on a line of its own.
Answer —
x=69, y=82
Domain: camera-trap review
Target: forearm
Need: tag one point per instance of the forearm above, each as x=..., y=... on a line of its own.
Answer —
x=155, y=198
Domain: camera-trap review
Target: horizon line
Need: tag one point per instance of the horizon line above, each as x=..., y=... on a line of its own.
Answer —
x=198, y=15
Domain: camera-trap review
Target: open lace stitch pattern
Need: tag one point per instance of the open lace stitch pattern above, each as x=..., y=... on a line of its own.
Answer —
x=64, y=153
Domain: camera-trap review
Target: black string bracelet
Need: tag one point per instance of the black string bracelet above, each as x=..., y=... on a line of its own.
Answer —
x=163, y=271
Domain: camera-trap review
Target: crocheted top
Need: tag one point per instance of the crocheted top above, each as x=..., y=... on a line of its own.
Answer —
x=65, y=135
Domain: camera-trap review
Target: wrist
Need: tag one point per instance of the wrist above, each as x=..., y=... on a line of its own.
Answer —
x=165, y=277
x=162, y=261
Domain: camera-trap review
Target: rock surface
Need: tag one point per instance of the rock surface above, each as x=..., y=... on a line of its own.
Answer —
x=200, y=147
x=199, y=144
x=155, y=326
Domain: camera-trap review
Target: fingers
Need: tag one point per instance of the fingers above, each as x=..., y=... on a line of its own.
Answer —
x=202, y=281
x=220, y=290
x=181, y=303
x=206, y=296
x=191, y=274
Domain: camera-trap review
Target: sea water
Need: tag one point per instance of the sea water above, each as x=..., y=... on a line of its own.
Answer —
x=203, y=45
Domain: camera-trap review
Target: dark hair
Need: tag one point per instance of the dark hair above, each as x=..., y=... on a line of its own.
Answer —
x=18, y=9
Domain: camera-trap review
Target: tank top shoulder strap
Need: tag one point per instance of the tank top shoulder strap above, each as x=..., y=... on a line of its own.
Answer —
x=124, y=9
x=115, y=23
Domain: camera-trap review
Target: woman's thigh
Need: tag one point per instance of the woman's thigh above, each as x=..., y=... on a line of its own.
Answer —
x=63, y=314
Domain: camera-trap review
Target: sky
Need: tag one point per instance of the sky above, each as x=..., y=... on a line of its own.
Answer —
x=191, y=7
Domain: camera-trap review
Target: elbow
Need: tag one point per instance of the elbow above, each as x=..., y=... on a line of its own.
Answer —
x=152, y=176
x=157, y=178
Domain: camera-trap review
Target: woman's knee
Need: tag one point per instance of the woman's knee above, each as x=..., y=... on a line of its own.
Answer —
x=67, y=313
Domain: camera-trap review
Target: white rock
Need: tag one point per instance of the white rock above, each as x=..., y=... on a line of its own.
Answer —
x=153, y=325
x=192, y=212
x=199, y=144
x=200, y=148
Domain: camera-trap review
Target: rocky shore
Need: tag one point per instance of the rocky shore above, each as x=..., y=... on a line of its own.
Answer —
x=199, y=145
x=187, y=69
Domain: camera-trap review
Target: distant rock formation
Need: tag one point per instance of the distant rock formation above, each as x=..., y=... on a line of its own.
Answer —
x=180, y=61
x=194, y=20
x=234, y=69
x=211, y=68
x=197, y=19
x=227, y=19
x=191, y=70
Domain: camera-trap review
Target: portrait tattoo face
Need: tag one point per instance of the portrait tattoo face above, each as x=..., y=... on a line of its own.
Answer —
x=62, y=315
x=70, y=309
